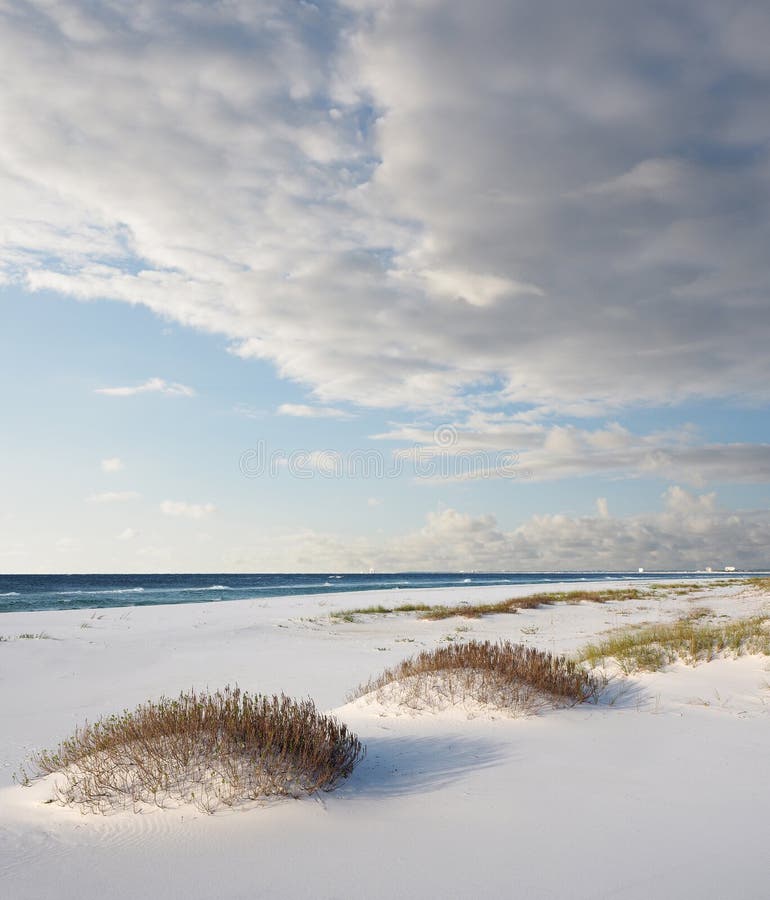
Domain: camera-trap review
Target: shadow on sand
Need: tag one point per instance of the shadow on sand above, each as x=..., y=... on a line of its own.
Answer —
x=406, y=764
x=622, y=693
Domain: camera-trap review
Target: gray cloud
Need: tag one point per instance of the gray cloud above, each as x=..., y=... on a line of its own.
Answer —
x=691, y=531
x=401, y=204
x=548, y=451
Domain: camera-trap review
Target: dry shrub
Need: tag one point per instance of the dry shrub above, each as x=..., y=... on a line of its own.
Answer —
x=510, y=606
x=501, y=675
x=215, y=749
x=532, y=601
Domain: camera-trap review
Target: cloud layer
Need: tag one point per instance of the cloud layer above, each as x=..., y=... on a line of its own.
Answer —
x=690, y=532
x=553, y=204
x=485, y=445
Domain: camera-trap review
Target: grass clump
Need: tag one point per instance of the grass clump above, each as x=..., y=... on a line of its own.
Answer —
x=510, y=606
x=209, y=749
x=349, y=615
x=691, y=639
x=501, y=675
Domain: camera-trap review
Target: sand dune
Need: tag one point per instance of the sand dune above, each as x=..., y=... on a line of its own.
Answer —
x=658, y=790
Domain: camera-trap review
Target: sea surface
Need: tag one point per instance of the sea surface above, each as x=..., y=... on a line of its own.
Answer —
x=40, y=592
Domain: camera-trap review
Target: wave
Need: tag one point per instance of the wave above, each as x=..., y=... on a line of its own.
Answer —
x=136, y=590
x=11, y=594
x=212, y=587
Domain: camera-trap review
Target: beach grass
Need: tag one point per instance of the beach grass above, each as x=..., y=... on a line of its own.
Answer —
x=507, y=607
x=691, y=639
x=348, y=615
x=208, y=749
x=500, y=674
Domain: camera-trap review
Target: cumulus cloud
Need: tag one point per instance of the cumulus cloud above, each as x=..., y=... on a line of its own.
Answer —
x=301, y=410
x=113, y=497
x=151, y=386
x=187, y=510
x=407, y=204
x=113, y=464
x=691, y=531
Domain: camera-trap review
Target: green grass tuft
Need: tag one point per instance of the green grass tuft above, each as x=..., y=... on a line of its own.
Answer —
x=651, y=647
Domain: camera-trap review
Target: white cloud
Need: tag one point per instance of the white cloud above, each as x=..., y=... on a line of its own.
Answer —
x=113, y=464
x=114, y=497
x=402, y=204
x=128, y=534
x=301, y=410
x=691, y=531
x=151, y=386
x=187, y=510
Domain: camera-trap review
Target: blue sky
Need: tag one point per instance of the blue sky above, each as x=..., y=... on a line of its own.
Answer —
x=403, y=229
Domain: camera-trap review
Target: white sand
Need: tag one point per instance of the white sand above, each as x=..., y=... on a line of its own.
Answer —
x=663, y=794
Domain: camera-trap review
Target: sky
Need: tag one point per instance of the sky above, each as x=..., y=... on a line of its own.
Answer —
x=295, y=286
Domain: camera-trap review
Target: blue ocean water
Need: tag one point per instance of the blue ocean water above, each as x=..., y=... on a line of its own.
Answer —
x=40, y=592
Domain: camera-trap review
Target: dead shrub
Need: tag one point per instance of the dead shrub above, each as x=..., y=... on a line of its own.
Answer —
x=503, y=675
x=209, y=749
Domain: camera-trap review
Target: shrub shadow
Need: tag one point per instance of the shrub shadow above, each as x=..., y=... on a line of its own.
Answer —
x=395, y=766
x=622, y=693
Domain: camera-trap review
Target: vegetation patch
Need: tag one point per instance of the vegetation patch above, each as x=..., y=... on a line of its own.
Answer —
x=478, y=675
x=208, y=749
x=691, y=640
x=509, y=607
x=379, y=610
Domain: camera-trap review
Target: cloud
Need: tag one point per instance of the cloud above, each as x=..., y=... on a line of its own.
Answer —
x=151, y=386
x=187, y=510
x=128, y=534
x=303, y=411
x=114, y=497
x=482, y=444
x=408, y=204
x=113, y=464
x=690, y=531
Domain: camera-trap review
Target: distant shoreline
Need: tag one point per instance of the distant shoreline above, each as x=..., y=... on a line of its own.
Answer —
x=35, y=593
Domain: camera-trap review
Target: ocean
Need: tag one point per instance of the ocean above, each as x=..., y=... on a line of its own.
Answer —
x=45, y=592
